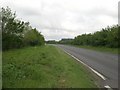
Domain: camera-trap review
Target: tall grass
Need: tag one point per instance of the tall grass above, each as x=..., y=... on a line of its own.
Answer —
x=43, y=67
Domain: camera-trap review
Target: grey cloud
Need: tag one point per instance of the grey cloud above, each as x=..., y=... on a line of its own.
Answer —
x=57, y=19
x=102, y=11
x=28, y=11
x=57, y=34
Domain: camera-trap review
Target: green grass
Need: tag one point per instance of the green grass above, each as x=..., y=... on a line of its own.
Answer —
x=0, y=70
x=101, y=49
x=43, y=67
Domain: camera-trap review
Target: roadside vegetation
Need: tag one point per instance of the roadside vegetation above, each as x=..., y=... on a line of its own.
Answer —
x=28, y=63
x=107, y=37
x=100, y=49
x=43, y=67
x=17, y=33
x=105, y=40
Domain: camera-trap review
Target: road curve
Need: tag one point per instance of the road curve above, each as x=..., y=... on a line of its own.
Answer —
x=106, y=64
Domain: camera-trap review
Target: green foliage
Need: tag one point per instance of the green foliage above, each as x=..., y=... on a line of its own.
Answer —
x=11, y=30
x=107, y=37
x=33, y=37
x=43, y=67
x=66, y=41
x=14, y=32
x=51, y=42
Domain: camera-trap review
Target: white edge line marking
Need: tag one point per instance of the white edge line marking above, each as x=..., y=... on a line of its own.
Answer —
x=100, y=75
x=107, y=86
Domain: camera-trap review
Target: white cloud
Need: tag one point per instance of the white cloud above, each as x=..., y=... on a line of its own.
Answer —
x=57, y=19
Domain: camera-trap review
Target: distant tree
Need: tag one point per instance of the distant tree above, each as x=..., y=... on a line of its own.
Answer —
x=33, y=37
x=66, y=41
x=108, y=37
x=51, y=42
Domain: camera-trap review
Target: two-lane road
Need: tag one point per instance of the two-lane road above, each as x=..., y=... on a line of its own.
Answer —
x=106, y=64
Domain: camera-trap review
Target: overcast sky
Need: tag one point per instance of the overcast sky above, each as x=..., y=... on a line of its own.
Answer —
x=57, y=19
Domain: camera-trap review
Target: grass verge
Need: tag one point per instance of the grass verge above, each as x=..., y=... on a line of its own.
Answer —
x=0, y=70
x=43, y=67
x=101, y=49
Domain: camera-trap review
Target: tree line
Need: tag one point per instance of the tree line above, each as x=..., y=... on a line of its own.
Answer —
x=17, y=33
x=107, y=37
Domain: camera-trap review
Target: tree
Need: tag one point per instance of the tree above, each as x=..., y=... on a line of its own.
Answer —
x=66, y=41
x=108, y=37
x=33, y=37
x=16, y=33
x=11, y=30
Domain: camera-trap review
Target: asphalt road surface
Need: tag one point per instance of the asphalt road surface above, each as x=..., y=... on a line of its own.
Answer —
x=105, y=63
